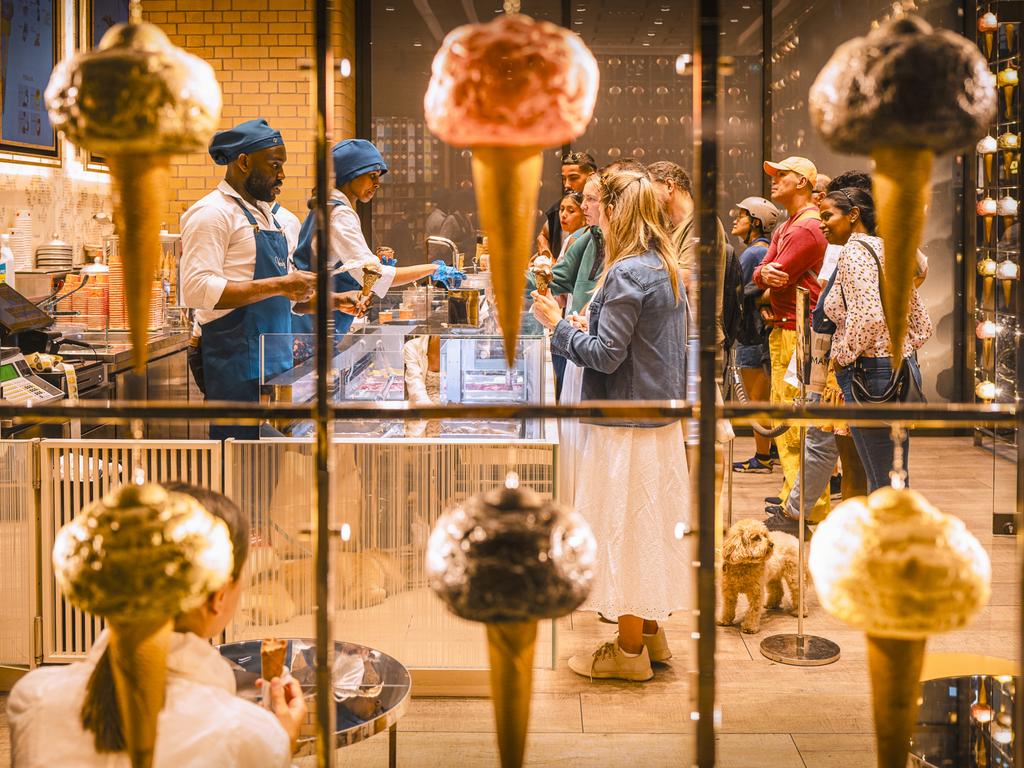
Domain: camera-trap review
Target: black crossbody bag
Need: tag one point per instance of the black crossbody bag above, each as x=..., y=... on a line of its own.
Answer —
x=902, y=387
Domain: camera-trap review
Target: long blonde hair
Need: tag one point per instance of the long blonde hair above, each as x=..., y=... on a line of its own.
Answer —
x=636, y=223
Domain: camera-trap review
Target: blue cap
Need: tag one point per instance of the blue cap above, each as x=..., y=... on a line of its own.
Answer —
x=248, y=137
x=354, y=157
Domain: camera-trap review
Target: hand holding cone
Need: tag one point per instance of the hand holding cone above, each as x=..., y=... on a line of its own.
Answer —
x=507, y=558
x=895, y=567
x=903, y=94
x=136, y=100
x=507, y=89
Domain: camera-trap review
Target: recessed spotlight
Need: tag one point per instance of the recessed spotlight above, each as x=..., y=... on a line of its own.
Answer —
x=735, y=21
x=417, y=44
x=389, y=8
x=646, y=45
x=658, y=22
x=650, y=34
x=345, y=68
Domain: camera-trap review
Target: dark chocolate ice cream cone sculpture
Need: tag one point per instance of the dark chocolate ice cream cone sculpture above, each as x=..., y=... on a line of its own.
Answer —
x=508, y=558
x=507, y=89
x=895, y=567
x=137, y=558
x=137, y=100
x=903, y=94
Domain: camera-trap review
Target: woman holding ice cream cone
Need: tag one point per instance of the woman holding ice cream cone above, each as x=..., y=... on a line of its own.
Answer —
x=70, y=715
x=358, y=168
x=632, y=486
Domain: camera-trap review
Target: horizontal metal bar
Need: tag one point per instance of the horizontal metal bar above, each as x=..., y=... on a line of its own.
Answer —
x=953, y=414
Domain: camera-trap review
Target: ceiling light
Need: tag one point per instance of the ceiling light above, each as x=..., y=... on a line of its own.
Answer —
x=650, y=34
x=646, y=45
x=389, y=7
x=658, y=22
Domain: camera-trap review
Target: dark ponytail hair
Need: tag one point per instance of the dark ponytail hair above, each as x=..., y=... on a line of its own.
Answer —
x=100, y=713
x=848, y=198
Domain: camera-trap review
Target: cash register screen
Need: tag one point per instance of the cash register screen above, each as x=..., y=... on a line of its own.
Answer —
x=18, y=314
x=8, y=372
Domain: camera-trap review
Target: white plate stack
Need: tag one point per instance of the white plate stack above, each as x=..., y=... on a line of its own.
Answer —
x=21, y=240
x=54, y=255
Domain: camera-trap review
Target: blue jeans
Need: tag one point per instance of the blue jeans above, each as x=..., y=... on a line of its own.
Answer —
x=874, y=445
x=819, y=461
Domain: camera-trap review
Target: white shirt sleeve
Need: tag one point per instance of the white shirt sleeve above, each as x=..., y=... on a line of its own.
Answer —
x=349, y=249
x=414, y=352
x=204, y=242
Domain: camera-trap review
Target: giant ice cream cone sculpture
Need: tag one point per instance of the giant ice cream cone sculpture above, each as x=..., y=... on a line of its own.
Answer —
x=894, y=566
x=986, y=148
x=507, y=89
x=988, y=28
x=1007, y=80
x=903, y=94
x=136, y=100
x=139, y=557
x=508, y=558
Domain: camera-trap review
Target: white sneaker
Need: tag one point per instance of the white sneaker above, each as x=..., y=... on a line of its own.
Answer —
x=657, y=646
x=608, y=661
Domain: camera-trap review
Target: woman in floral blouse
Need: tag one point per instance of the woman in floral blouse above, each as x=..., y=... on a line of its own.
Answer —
x=854, y=304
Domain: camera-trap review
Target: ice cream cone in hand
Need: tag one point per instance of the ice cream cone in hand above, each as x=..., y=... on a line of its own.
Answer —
x=492, y=88
x=510, y=648
x=136, y=99
x=138, y=657
x=507, y=183
x=542, y=274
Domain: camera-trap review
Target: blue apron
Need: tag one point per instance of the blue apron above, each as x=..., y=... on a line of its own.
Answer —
x=303, y=259
x=231, y=344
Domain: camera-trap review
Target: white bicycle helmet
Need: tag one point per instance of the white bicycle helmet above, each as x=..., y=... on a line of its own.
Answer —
x=762, y=210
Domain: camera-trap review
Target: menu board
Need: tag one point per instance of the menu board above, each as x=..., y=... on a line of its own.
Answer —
x=28, y=52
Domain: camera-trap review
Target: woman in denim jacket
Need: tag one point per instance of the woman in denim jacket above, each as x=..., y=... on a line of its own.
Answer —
x=632, y=486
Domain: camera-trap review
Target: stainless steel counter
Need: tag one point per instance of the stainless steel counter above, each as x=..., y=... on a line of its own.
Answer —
x=115, y=349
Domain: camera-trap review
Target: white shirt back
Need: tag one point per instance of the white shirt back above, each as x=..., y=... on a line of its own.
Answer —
x=202, y=723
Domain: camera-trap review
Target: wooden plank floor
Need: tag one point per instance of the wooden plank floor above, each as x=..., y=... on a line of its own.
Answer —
x=771, y=714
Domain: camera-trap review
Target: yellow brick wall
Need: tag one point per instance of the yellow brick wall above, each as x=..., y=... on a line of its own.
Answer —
x=259, y=50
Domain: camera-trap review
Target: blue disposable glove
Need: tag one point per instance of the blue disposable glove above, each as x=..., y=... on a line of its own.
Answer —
x=387, y=256
x=447, y=276
x=392, y=262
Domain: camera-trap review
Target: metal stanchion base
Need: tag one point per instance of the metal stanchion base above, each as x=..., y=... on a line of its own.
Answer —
x=800, y=650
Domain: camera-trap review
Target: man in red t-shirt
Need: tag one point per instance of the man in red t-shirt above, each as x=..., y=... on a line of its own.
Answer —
x=793, y=259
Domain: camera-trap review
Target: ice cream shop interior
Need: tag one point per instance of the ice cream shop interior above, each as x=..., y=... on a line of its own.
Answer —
x=511, y=383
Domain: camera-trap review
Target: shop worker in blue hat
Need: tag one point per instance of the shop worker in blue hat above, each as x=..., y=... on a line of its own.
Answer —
x=235, y=272
x=358, y=168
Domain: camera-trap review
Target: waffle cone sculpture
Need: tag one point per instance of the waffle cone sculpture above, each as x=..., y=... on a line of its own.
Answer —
x=894, y=566
x=508, y=559
x=507, y=89
x=139, y=557
x=903, y=94
x=136, y=100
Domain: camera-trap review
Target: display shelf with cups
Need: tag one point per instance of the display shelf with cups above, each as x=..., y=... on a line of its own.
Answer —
x=997, y=308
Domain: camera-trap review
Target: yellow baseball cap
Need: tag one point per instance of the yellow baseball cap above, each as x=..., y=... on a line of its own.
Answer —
x=800, y=165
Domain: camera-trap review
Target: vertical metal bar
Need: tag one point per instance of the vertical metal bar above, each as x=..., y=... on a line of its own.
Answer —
x=705, y=122
x=364, y=91
x=802, y=358
x=1018, y=706
x=324, y=646
x=767, y=9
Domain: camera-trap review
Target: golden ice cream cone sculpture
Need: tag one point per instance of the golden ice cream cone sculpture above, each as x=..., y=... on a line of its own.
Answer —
x=507, y=558
x=987, y=269
x=1011, y=42
x=507, y=89
x=1009, y=144
x=897, y=568
x=139, y=557
x=902, y=188
x=1007, y=80
x=986, y=331
x=510, y=651
x=988, y=28
x=138, y=655
x=507, y=182
x=136, y=99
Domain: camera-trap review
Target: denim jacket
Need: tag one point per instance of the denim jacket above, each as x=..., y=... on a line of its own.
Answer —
x=636, y=346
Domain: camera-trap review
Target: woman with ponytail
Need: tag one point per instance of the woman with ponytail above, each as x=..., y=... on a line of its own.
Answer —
x=74, y=715
x=632, y=484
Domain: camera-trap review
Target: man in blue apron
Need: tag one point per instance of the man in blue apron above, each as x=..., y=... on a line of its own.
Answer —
x=235, y=272
x=358, y=167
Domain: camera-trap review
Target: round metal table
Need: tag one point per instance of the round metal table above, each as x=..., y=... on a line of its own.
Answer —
x=965, y=721
x=371, y=689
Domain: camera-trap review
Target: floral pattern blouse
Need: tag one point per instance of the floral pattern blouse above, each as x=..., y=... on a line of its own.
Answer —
x=855, y=306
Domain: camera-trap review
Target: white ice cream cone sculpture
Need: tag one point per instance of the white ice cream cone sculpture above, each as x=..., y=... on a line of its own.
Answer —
x=895, y=567
x=986, y=149
x=986, y=331
x=1006, y=207
x=988, y=28
x=987, y=209
x=1007, y=272
x=136, y=99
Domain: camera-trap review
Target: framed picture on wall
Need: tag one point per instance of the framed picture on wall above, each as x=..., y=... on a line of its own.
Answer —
x=96, y=17
x=29, y=46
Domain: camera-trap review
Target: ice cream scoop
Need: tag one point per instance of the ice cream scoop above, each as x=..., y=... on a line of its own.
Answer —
x=542, y=274
x=507, y=89
x=136, y=99
x=903, y=93
x=897, y=568
x=137, y=558
x=509, y=558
